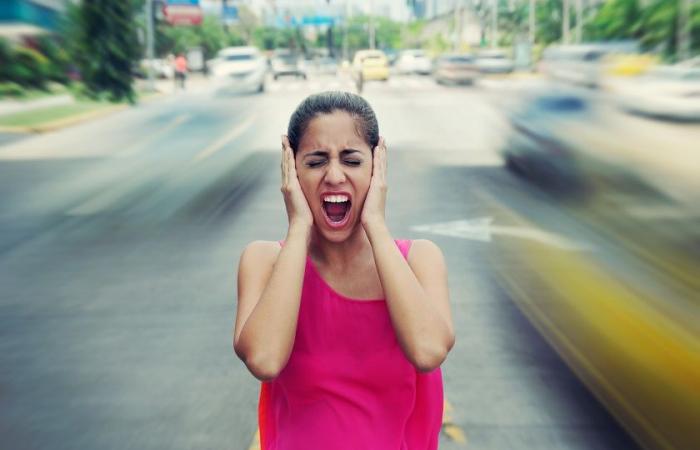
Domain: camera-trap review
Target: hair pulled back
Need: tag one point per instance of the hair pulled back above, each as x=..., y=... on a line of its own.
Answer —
x=328, y=102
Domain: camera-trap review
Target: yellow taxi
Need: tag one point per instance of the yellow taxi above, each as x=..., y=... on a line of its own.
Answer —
x=371, y=64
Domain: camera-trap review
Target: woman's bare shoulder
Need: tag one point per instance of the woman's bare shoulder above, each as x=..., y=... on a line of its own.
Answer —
x=424, y=249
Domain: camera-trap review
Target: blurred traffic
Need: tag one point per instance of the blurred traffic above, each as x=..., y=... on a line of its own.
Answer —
x=556, y=162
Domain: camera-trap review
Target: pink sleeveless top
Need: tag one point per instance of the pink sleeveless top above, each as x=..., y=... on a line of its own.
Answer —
x=347, y=384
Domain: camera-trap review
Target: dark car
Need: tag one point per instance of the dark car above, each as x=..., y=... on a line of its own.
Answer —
x=455, y=69
x=539, y=146
x=287, y=63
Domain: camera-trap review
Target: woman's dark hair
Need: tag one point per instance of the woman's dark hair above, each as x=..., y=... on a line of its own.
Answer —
x=327, y=103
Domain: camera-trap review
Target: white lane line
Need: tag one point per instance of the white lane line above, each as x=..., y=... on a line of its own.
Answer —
x=133, y=148
x=225, y=139
x=482, y=229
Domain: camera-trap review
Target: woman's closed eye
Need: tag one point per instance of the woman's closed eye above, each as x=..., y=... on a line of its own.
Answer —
x=320, y=162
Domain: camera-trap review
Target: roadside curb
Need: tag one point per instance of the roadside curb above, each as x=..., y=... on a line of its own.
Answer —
x=78, y=118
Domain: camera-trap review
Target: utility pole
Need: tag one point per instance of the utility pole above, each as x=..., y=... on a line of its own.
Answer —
x=579, y=21
x=458, y=24
x=150, y=45
x=683, y=34
x=565, y=23
x=371, y=25
x=532, y=22
x=494, y=23
x=346, y=55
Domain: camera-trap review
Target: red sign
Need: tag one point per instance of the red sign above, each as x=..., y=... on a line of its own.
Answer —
x=183, y=14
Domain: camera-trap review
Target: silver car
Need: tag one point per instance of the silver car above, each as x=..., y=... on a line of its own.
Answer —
x=239, y=69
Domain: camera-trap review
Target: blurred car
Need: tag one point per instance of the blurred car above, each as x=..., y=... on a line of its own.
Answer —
x=575, y=64
x=538, y=148
x=455, y=69
x=161, y=68
x=286, y=62
x=414, y=62
x=239, y=69
x=326, y=65
x=371, y=65
x=586, y=64
x=391, y=56
x=666, y=92
x=494, y=61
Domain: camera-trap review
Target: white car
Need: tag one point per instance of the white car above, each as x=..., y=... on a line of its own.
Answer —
x=239, y=69
x=666, y=92
x=494, y=61
x=414, y=61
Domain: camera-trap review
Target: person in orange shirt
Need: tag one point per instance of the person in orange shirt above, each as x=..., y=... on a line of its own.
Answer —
x=180, y=70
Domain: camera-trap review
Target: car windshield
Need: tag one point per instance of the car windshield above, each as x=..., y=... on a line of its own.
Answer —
x=288, y=59
x=560, y=104
x=460, y=59
x=239, y=57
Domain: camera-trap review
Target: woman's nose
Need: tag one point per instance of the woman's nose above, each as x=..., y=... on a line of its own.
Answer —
x=335, y=174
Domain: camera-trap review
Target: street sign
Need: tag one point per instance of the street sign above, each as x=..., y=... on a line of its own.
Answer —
x=229, y=13
x=287, y=20
x=183, y=13
x=318, y=20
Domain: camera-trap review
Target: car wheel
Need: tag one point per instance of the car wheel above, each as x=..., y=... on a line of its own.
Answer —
x=261, y=88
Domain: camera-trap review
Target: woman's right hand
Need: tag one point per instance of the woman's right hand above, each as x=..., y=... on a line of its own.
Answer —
x=298, y=210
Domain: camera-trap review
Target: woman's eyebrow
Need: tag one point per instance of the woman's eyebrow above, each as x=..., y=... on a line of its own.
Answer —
x=347, y=151
x=316, y=153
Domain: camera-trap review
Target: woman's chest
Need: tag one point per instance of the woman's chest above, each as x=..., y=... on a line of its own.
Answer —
x=345, y=356
x=358, y=283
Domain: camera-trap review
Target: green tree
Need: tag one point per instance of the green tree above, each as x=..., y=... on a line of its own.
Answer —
x=616, y=19
x=108, y=47
x=549, y=21
x=58, y=58
x=269, y=38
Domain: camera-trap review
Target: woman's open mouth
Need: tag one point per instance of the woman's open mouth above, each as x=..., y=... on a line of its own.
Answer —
x=336, y=209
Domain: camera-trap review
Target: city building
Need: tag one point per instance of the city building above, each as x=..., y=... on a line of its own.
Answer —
x=25, y=18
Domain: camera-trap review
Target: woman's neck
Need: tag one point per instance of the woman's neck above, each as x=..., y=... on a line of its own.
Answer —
x=340, y=255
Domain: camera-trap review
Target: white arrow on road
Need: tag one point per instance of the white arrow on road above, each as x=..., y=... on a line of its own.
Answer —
x=482, y=229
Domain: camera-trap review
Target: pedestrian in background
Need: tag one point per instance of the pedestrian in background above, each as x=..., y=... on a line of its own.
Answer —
x=346, y=326
x=180, y=71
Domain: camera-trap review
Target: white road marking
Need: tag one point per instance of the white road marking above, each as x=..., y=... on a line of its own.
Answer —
x=136, y=146
x=482, y=229
x=225, y=139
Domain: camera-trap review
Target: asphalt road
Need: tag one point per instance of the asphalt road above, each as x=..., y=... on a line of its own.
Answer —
x=119, y=243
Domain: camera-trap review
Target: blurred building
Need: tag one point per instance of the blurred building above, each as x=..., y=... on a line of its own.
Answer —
x=25, y=18
x=417, y=8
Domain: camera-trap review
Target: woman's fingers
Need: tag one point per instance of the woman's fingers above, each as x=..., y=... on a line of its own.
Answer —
x=379, y=169
x=283, y=166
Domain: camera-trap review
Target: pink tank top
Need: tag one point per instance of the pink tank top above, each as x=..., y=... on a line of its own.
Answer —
x=347, y=384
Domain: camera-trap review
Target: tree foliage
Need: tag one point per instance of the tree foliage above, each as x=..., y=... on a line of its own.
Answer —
x=107, y=47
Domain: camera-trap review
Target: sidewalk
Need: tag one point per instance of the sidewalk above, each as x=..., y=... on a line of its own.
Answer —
x=15, y=122
x=16, y=106
x=196, y=82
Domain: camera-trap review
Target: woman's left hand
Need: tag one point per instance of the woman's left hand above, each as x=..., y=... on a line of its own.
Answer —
x=373, y=209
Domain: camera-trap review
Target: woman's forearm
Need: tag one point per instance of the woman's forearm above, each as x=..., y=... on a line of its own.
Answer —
x=421, y=331
x=267, y=337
